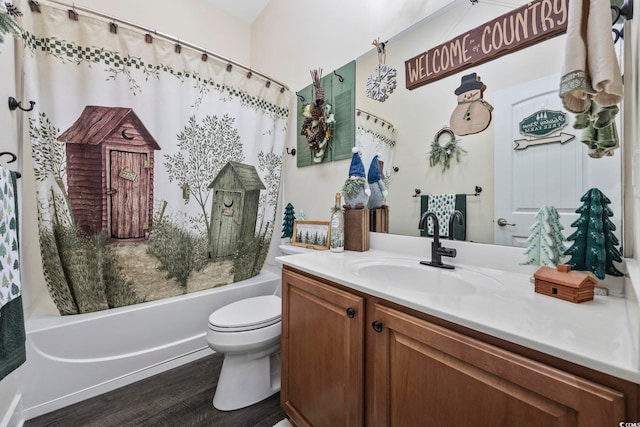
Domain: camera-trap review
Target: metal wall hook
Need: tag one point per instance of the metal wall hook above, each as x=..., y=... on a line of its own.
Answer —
x=13, y=159
x=339, y=76
x=34, y=6
x=292, y=151
x=300, y=97
x=8, y=153
x=13, y=104
x=626, y=12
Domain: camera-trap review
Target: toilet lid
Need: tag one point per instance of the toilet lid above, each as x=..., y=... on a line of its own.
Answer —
x=247, y=314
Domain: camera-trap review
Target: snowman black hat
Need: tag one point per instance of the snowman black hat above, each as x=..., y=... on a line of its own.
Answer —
x=469, y=82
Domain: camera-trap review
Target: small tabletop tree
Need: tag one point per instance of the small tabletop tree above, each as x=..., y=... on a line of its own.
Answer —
x=545, y=244
x=287, y=222
x=594, y=248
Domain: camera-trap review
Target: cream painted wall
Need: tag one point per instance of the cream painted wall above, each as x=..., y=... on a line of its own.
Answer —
x=194, y=21
x=291, y=37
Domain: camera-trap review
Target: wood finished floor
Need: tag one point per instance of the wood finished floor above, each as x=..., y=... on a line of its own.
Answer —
x=180, y=397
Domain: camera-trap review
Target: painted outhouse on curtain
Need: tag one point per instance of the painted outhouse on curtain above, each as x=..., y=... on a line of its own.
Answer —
x=110, y=157
x=234, y=212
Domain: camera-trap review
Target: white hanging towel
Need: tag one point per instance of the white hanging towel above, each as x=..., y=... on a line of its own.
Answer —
x=591, y=70
x=10, y=287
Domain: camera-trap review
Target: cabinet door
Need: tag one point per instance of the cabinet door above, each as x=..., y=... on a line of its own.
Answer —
x=322, y=353
x=426, y=375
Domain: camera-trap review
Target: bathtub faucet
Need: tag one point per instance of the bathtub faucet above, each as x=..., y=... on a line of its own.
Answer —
x=437, y=250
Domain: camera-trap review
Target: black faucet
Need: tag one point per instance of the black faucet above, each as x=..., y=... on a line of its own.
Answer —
x=455, y=214
x=437, y=250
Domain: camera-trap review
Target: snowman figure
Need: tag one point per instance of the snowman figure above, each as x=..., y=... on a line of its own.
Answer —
x=378, y=189
x=473, y=113
x=355, y=190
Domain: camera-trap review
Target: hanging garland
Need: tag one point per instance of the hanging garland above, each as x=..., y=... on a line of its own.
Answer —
x=382, y=82
x=442, y=154
x=318, y=119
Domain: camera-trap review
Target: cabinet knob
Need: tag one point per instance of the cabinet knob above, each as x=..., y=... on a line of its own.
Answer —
x=351, y=313
x=377, y=325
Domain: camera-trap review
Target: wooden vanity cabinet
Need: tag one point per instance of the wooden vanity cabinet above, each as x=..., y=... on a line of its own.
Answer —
x=422, y=371
x=322, y=375
x=428, y=375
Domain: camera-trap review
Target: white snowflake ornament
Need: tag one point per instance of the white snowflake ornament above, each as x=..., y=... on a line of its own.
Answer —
x=382, y=82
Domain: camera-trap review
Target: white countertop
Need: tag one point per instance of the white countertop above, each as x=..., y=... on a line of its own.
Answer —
x=598, y=334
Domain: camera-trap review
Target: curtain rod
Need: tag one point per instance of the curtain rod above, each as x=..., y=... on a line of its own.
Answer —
x=169, y=38
x=374, y=116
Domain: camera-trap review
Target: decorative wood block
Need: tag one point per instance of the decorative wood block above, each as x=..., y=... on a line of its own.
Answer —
x=564, y=284
x=356, y=230
x=379, y=220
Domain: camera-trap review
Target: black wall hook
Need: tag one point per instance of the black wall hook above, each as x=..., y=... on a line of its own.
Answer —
x=625, y=12
x=13, y=159
x=292, y=151
x=339, y=76
x=300, y=97
x=478, y=190
x=8, y=153
x=13, y=104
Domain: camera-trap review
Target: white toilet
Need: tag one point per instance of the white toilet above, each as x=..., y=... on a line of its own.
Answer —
x=248, y=333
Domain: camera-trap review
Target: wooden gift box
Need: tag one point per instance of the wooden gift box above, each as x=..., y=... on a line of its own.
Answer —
x=356, y=230
x=564, y=284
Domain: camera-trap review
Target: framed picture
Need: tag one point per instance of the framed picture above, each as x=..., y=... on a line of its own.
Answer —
x=311, y=234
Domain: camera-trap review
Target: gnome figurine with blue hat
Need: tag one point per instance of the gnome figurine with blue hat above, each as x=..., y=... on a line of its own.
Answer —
x=378, y=189
x=356, y=190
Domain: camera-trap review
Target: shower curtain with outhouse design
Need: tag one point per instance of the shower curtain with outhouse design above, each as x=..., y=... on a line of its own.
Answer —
x=157, y=167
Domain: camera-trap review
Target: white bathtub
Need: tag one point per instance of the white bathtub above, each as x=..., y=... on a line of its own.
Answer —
x=72, y=358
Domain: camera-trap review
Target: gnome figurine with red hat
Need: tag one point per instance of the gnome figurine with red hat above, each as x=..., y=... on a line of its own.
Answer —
x=355, y=190
x=378, y=189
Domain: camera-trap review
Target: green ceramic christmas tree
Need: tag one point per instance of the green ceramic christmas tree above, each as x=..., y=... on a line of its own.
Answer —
x=545, y=244
x=594, y=244
x=287, y=222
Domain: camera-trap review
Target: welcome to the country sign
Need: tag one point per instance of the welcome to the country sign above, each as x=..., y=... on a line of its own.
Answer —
x=529, y=24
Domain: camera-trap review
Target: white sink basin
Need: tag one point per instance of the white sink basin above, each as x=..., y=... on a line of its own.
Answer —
x=409, y=275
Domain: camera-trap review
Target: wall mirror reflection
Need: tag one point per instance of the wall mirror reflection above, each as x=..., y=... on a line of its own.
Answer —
x=515, y=183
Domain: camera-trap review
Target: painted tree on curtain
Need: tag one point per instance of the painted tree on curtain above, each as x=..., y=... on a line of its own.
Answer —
x=127, y=139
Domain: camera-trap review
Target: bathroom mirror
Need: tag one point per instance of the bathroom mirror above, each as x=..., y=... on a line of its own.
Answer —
x=514, y=183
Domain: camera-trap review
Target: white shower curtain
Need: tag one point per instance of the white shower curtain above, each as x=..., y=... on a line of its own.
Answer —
x=157, y=172
x=376, y=136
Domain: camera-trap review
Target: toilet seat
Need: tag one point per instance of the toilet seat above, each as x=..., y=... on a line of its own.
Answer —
x=247, y=314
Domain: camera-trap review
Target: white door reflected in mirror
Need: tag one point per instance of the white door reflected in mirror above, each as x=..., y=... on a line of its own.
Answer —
x=553, y=173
